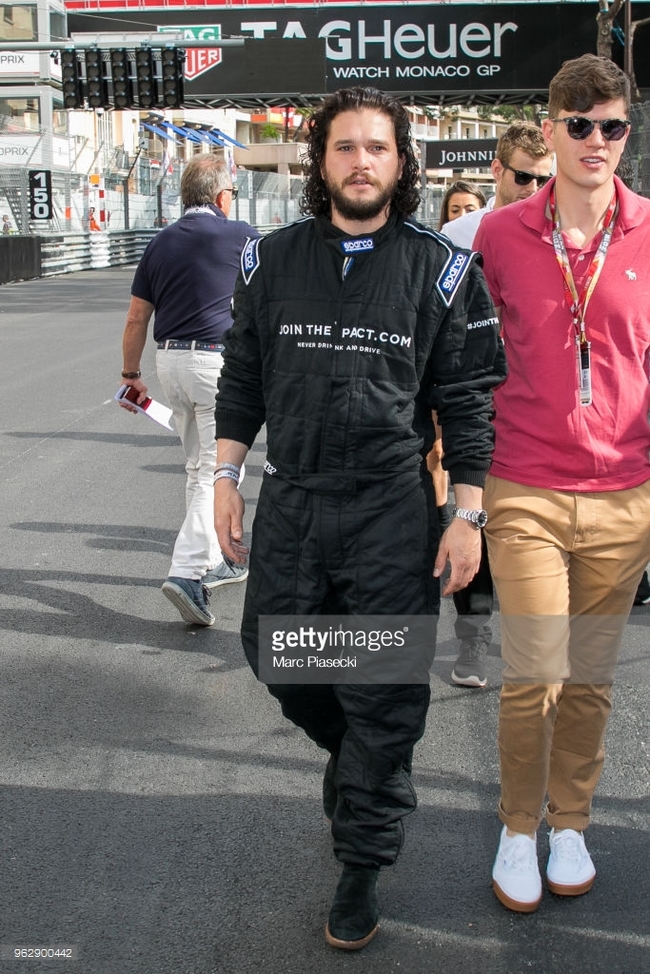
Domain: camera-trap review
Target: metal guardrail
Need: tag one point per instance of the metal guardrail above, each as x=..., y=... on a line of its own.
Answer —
x=66, y=252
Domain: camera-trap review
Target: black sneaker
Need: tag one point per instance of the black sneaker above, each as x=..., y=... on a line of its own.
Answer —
x=642, y=596
x=191, y=600
x=469, y=668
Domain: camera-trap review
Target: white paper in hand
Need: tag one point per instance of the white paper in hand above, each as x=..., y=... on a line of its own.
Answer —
x=156, y=411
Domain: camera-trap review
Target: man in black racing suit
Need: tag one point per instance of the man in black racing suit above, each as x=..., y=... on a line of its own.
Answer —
x=349, y=327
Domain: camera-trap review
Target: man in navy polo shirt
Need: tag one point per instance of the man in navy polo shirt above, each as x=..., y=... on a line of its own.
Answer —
x=187, y=276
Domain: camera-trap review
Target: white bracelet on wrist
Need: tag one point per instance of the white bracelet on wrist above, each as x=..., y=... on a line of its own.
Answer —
x=229, y=474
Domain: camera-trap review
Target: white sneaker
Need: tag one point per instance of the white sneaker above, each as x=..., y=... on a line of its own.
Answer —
x=570, y=870
x=515, y=874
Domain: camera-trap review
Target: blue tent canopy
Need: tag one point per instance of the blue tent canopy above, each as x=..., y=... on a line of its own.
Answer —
x=184, y=133
x=222, y=135
x=202, y=133
x=159, y=132
x=211, y=135
x=214, y=138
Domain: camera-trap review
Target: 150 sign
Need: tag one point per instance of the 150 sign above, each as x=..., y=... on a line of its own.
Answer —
x=40, y=194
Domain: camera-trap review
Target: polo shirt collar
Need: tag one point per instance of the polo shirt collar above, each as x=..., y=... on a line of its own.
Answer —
x=631, y=212
x=534, y=211
x=208, y=206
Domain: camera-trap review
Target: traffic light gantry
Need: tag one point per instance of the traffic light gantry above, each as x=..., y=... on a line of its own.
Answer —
x=123, y=78
x=122, y=70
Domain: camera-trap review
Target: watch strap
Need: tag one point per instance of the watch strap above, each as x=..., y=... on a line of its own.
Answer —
x=477, y=518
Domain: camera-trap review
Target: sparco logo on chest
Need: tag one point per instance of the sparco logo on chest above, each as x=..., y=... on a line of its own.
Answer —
x=356, y=246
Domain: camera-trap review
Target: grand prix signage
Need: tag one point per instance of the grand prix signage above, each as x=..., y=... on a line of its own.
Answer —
x=198, y=60
x=450, y=48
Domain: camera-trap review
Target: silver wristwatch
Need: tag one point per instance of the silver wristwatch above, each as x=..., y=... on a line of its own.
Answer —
x=477, y=518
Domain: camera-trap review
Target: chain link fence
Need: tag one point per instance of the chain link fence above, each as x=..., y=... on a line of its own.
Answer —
x=265, y=199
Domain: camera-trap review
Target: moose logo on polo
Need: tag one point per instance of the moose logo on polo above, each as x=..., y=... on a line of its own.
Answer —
x=198, y=60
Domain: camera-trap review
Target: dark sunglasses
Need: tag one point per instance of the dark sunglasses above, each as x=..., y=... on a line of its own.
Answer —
x=579, y=127
x=523, y=178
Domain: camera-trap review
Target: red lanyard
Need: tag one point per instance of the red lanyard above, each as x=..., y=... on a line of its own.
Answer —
x=578, y=303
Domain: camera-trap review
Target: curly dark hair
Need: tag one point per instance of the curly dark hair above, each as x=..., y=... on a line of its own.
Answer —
x=315, y=199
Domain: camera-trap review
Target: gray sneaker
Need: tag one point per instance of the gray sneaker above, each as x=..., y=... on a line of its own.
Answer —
x=224, y=574
x=191, y=600
x=469, y=668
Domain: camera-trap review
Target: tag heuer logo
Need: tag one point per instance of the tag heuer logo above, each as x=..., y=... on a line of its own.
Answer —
x=198, y=60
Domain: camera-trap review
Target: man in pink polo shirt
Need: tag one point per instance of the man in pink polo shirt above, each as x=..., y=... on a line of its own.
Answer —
x=568, y=496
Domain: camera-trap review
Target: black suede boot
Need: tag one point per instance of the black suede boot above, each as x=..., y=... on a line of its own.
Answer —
x=330, y=794
x=353, y=920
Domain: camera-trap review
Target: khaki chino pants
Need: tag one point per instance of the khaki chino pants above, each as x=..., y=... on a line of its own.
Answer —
x=566, y=568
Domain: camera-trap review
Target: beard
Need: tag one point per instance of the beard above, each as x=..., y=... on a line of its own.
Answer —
x=360, y=209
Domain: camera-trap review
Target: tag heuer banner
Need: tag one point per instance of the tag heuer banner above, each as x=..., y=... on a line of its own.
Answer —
x=430, y=52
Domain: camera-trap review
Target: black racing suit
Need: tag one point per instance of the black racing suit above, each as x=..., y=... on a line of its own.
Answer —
x=342, y=345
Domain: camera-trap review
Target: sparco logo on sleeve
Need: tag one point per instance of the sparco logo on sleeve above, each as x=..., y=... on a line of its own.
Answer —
x=250, y=260
x=452, y=274
x=357, y=246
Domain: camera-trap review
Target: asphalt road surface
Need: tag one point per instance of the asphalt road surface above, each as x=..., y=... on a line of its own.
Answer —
x=157, y=814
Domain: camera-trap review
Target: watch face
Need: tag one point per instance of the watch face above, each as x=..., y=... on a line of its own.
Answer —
x=481, y=519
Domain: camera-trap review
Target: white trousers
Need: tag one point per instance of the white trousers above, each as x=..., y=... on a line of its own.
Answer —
x=189, y=381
